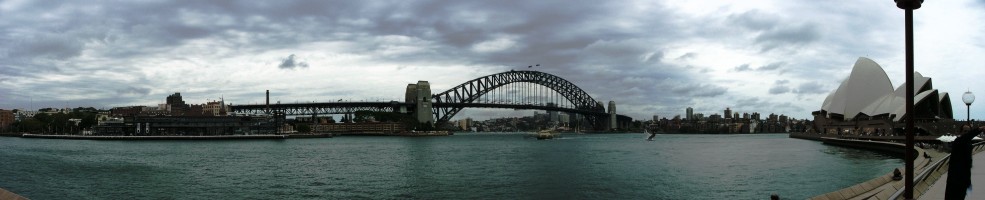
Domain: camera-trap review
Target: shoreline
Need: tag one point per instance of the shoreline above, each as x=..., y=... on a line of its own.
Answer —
x=211, y=137
x=881, y=187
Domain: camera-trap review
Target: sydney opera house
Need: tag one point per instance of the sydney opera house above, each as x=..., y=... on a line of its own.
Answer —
x=866, y=103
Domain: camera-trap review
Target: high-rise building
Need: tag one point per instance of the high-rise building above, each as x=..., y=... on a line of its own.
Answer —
x=689, y=113
x=178, y=106
x=728, y=113
x=175, y=99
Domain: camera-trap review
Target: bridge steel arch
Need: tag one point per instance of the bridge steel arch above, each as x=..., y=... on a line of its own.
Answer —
x=472, y=90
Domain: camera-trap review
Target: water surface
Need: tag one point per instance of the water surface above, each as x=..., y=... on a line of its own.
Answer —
x=463, y=166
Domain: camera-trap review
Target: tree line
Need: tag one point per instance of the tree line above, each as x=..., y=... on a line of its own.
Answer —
x=49, y=122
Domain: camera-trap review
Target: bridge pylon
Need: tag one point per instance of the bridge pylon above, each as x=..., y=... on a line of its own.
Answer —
x=419, y=94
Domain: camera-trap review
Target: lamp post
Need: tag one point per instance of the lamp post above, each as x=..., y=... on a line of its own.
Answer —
x=968, y=98
x=908, y=6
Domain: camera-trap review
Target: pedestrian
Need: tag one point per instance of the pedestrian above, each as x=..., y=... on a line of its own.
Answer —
x=959, y=171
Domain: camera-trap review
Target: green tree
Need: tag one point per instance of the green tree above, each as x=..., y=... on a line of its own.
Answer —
x=303, y=128
x=30, y=125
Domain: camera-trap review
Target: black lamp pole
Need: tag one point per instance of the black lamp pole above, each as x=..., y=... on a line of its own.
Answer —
x=908, y=6
x=968, y=98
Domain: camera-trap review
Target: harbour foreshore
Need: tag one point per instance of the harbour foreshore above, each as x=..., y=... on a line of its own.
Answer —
x=929, y=166
x=222, y=137
x=7, y=195
x=177, y=137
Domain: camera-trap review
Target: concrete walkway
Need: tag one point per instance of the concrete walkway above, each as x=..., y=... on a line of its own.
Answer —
x=977, y=181
x=7, y=195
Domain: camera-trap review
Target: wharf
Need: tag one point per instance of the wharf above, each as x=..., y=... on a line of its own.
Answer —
x=406, y=133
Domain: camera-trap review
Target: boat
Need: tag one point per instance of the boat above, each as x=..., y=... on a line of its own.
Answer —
x=545, y=135
x=652, y=130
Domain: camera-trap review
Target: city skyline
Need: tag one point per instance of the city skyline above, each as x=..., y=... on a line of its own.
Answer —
x=652, y=58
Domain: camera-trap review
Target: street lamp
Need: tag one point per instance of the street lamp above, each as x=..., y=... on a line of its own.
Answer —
x=908, y=6
x=968, y=98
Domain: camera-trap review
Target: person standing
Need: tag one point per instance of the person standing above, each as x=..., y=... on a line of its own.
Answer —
x=959, y=171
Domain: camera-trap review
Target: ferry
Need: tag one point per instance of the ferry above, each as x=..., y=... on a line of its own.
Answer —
x=545, y=135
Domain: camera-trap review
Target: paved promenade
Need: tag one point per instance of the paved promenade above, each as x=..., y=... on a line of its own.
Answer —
x=977, y=181
x=7, y=195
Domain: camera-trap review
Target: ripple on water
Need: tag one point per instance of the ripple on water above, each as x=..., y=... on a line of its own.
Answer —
x=467, y=166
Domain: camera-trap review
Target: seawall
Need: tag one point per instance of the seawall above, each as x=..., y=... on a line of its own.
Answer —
x=882, y=187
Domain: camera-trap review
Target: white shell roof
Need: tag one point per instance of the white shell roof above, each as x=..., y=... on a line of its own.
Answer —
x=868, y=83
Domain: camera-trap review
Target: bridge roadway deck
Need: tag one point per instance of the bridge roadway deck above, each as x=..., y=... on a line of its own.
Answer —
x=977, y=181
x=307, y=108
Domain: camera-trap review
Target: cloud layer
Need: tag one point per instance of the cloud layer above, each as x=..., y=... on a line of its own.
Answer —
x=652, y=58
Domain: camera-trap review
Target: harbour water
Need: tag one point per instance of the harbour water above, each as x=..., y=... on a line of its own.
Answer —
x=463, y=166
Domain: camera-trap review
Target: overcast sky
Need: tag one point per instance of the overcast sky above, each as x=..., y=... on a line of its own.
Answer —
x=651, y=57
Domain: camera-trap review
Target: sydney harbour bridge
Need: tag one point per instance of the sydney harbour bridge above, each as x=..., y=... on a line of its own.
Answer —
x=515, y=89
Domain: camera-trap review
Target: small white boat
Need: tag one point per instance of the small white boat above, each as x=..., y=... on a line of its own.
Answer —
x=545, y=135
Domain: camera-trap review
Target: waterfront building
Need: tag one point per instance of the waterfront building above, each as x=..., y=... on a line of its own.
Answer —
x=370, y=128
x=6, y=118
x=126, y=111
x=215, y=108
x=465, y=124
x=866, y=102
x=187, y=125
x=25, y=114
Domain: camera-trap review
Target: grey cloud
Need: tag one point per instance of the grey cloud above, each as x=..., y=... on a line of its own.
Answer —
x=774, y=32
x=45, y=45
x=750, y=103
x=742, y=68
x=687, y=56
x=793, y=35
x=771, y=66
x=754, y=19
x=131, y=90
x=779, y=89
x=811, y=88
x=577, y=41
x=698, y=90
x=290, y=63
